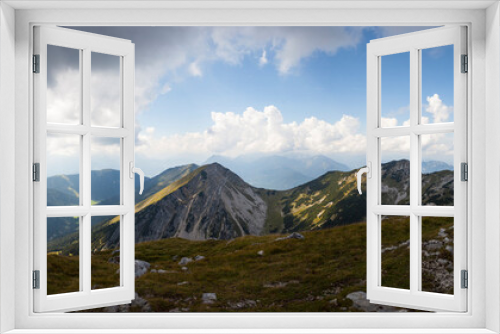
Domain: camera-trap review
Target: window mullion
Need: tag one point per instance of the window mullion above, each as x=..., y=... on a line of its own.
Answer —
x=414, y=171
x=85, y=236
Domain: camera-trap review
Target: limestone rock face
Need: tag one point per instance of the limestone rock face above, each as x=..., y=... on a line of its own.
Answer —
x=215, y=203
x=210, y=203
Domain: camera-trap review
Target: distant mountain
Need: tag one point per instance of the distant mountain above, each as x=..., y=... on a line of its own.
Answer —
x=105, y=184
x=156, y=183
x=63, y=190
x=278, y=172
x=435, y=166
x=213, y=202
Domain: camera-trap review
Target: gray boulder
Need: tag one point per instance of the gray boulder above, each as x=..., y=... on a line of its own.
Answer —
x=141, y=267
x=209, y=298
x=185, y=260
x=199, y=257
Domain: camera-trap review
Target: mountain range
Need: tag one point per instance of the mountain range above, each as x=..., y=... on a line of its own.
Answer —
x=211, y=201
x=278, y=172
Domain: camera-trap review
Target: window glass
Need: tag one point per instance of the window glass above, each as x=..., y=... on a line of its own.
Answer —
x=395, y=171
x=106, y=171
x=106, y=253
x=63, y=169
x=63, y=85
x=63, y=255
x=395, y=90
x=437, y=254
x=437, y=85
x=105, y=88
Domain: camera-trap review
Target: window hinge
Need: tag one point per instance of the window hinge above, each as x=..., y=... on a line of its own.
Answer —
x=464, y=171
x=36, y=63
x=465, y=279
x=465, y=64
x=36, y=172
x=36, y=279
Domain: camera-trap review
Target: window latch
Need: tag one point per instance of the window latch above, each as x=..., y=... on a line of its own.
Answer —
x=368, y=171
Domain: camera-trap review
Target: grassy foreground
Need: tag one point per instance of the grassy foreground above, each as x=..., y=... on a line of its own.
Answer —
x=313, y=274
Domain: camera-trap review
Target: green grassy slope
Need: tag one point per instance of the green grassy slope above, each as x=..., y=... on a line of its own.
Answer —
x=310, y=275
x=330, y=200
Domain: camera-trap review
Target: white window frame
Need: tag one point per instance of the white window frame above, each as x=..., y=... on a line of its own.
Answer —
x=483, y=314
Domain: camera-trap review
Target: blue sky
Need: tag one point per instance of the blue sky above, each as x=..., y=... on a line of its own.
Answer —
x=263, y=90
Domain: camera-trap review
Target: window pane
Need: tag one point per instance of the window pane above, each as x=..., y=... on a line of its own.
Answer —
x=63, y=85
x=395, y=251
x=105, y=90
x=63, y=169
x=437, y=85
x=63, y=260
x=395, y=156
x=437, y=254
x=106, y=252
x=395, y=90
x=437, y=169
x=105, y=155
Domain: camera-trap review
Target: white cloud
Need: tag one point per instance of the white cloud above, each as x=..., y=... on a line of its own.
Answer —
x=302, y=43
x=387, y=122
x=105, y=98
x=256, y=131
x=263, y=59
x=63, y=99
x=440, y=112
x=434, y=146
x=290, y=45
x=194, y=70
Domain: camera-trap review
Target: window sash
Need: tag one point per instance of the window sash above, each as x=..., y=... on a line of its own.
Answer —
x=414, y=298
x=85, y=298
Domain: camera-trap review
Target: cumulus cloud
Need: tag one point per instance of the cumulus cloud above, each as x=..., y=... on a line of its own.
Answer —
x=255, y=131
x=302, y=43
x=63, y=98
x=439, y=111
x=388, y=122
x=434, y=146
